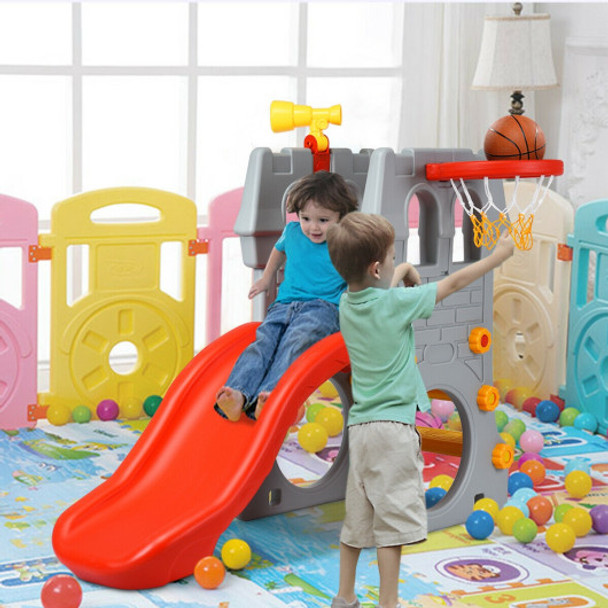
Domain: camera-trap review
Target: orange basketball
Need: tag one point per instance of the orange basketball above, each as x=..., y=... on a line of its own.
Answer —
x=514, y=137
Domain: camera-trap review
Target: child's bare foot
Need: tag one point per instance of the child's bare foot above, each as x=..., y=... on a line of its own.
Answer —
x=262, y=398
x=231, y=402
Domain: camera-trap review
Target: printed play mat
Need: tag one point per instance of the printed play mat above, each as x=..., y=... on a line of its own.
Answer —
x=295, y=556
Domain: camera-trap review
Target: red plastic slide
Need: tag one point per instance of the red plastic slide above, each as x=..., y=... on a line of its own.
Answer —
x=189, y=474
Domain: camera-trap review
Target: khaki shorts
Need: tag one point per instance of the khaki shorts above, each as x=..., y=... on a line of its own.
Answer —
x=385, y=503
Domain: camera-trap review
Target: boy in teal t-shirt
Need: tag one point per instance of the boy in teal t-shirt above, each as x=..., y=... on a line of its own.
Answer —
x=385, y=506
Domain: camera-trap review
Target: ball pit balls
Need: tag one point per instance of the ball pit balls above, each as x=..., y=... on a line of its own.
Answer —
x=454, y=422
x=535, y=470
x=61, y=591
x=331, y=418
x=131, y=409
x=560, y=537
x=312, y=410
x=516, y=428
x=81, y=414
x=577, y=464
x=508, y=439
x=58, y=414
x=442, y=408
x=599, y=518
x=442, y=481
x=151, y=404
x=209, y=572
x=547, y=411
x=541, y=509
x=579, y=520
x=518, y=480
x=586, y=422
x=523, y=495
x=236, y=554
x=107, y=409
x=531, y=441
x=568, y=416
x=479, y=524
x=529, y=456
x=529, y=405
x=507, y=517
x=312, y=437
x=501, y=420
x=525, y=530
x=487, y=504
x=328, y=390
x=433, y=495
x=560, y=511
x=578, y=484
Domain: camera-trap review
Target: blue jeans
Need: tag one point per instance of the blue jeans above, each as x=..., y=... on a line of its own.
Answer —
x=287, y=331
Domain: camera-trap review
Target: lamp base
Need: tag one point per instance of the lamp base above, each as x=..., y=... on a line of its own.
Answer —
x=517, y=104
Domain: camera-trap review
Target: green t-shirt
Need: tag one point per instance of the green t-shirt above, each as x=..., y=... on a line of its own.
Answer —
x=377, y=328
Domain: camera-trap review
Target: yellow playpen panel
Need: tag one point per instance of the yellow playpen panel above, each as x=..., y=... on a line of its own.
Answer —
x=122, y=327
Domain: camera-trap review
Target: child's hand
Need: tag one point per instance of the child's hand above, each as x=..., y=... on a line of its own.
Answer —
x=260, y=286
x=504, y=247
x=407, y=273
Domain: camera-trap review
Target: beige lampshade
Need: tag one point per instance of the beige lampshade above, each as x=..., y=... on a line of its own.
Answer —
x=515, y=54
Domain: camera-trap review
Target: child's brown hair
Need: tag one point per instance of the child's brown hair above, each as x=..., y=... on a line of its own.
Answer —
x=358, y=240
x=329, y=190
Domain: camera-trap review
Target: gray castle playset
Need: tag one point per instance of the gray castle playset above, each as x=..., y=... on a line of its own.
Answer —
x=386, y=182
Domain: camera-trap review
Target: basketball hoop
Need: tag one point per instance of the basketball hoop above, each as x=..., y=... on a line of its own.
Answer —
x=515, y=218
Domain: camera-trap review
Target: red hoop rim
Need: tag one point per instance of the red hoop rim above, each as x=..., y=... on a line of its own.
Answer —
x=494, y=169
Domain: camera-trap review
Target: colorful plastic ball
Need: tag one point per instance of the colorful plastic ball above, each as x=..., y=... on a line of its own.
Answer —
x=508, y=439
x=578, y=463
x=454, y=422
x=541, y=509
x=531, y=441
x=520, y=504
x=331, y=418
x=328, y=390
x=131, y=409
x=515, y=427
x=312, y=437
x=61, y=591
x=530, y=456
x=523, y=494
x=81, y=414
x=560, y=511
x=525, y=530
x=487, y=504
x=236, y=554
x=442, y=408
x=518, y=480
x=479, y=524
x=599, y=518
x=568, y=416
x=529, y=406
x=507, y=517
x=501, y=419
x=516, y=397
x=547, y=411
x=209, y=572
x=151, y=404
x=107, y=409
x=58, y=414
x=313, y=409
x=578, y=484
x=442, y=481
x=535, y=470
x=579, y=520
x=560, y=537
x=433, y=495
x=586, y=422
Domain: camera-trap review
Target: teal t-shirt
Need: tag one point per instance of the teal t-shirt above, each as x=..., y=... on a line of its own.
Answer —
x=377, y=328
x=309, y=273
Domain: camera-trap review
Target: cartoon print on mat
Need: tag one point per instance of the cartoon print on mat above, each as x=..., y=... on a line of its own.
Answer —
x=479, y=568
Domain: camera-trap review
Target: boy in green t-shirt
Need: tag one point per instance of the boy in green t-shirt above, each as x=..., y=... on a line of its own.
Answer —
x=385, y=505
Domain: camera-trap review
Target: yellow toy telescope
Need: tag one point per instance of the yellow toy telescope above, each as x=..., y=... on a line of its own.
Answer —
x=285, y=116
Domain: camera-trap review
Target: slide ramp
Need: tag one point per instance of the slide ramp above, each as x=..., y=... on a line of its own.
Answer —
x=189, y=474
